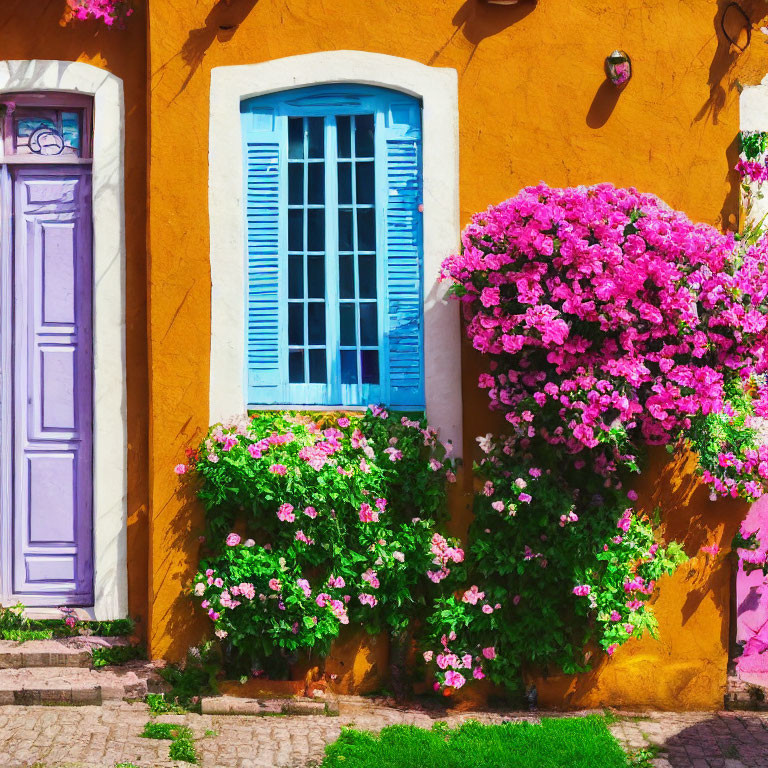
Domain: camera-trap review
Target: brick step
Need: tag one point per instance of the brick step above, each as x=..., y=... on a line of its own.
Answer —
x=57, y=652
x=77, y=685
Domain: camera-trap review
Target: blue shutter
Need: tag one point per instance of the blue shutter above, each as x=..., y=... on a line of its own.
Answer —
x=264, y=200
x=404, y=262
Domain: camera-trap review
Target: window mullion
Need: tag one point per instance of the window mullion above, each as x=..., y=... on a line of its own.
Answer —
x=333, y=340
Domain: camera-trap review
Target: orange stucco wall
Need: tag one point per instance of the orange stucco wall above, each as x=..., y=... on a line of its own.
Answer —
x=533, y=106
x=39, y=30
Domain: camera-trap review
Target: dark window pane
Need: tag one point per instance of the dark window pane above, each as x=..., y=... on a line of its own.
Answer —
x=295, y=277
x=316, y=183
x=295, y=137
x=346, y=277
x=370, y=360
x=316, y=136
x=345, y=229
x=369, y=327
x=316, y=276
x=316, y=322
x=347, y=324
x=364, y=183
x=348, y=366
x=366, y=272
x=295, y=324
x=295, y=183
x=317, y=370
x=296, y=367
x=363, y=135
x=296, y=230
x=342, y=132
x=366, y=229
x=316, y=229
x=345, y=183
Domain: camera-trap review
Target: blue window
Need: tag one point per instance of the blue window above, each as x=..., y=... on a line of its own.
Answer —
x=334, y=247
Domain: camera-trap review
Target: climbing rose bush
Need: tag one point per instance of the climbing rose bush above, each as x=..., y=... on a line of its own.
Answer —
x=314, y=523
x=609, y=322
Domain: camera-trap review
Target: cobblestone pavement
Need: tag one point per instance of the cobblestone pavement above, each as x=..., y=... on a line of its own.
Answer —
x=101, y=737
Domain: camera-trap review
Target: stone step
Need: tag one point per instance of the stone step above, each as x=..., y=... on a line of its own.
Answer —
x=57, y=652
x=77, y=685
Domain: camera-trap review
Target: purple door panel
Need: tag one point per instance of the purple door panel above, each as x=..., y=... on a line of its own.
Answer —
x=51, y=388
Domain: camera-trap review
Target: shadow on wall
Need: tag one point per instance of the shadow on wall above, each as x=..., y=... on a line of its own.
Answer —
x=603, y=104
x=727, y=16
x=180, y=620
x=221, y=23
x=477, y=20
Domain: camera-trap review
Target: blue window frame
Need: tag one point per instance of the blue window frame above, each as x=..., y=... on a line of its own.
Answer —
x=334, y=247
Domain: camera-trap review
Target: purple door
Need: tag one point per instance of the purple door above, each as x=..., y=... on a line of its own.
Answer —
x=51, y=387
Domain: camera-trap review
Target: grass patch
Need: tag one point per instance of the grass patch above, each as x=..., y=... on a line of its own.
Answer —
x=159, y=706
x=171, y=731
x=118, y=654
x=23, y=635
x=126, y=765
x=582, y=742
x=183, y=749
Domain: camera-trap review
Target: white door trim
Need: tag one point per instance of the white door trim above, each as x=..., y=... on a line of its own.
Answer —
x=110, y=495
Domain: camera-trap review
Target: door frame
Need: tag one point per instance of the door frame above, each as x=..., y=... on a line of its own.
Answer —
x=108, y=298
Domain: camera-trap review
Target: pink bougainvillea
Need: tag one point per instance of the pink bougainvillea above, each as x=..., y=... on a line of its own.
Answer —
x=610, y=317
x=111, y=12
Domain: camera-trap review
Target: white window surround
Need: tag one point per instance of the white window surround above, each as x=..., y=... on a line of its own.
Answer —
x=753, y=116
x=109, y=394
x=438, y=90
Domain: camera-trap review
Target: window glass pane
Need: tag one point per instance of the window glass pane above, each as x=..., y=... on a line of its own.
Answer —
x=295, y=137
x=345, y=229
x=70, y=129
x=295, y=324
x=316, y=229
x=366, y=271
x=316, y=183
x=348, y=366
x=317, y=370
x=342, y=134
x=345, y=183
x=346, y=277
x=347, y=324
x=364, y=184
x=316, y=276
x=296, y=366
x=295, y=183
x=315, y=127
x=363, y=135
x=296, y=230
x=366, y=229
x=369, y=330
x=295, y=277
x=316, y=322
x=370, y=361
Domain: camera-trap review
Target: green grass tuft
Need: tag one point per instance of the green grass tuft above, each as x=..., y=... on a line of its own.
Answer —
x=23, y=635
x=583, y=742
x=118, y=654
x=155, y=730
x=183, y=749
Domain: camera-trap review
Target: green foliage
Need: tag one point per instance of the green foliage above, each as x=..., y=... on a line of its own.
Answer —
x=340, y=512
x=118, y=654
x=643, y=758
x=183, y=749
x=126, y=765
x=554, y=743
x=12, y=620
x=158, y=705
x=194, y=678
x=557, y=560
x=24, y=635
x=753, y=144
x=155, y=730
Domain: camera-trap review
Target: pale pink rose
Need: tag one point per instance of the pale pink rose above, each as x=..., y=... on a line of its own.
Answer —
x=233, y=540
x=180, y=469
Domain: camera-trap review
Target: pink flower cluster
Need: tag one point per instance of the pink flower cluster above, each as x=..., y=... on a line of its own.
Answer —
x=752, y=171
x=443, y=553
x=450, y=662
x=111, y=12
x=602, y=308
